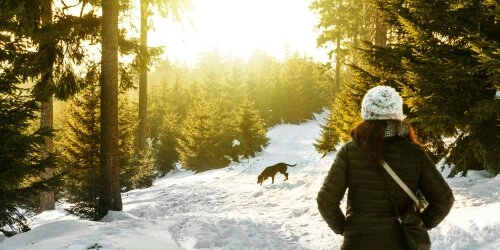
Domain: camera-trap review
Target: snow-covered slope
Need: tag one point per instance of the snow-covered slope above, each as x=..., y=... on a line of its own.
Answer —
x=227, y=209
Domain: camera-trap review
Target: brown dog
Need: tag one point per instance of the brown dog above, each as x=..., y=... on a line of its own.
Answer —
x=271, y=171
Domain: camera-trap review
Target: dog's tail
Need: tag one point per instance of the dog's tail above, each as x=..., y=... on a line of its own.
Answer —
x=291, y=165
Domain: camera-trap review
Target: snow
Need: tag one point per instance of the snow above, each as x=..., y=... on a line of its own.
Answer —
x=227, y=209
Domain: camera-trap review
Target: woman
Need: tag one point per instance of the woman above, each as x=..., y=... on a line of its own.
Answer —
x=370, y=221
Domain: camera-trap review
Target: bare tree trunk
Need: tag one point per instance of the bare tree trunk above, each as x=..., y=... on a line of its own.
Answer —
x=47, y=199
x=110, y=197
x=143, y=81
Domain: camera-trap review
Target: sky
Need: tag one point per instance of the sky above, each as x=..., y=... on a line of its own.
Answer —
x=226, y=209
x=239, y=27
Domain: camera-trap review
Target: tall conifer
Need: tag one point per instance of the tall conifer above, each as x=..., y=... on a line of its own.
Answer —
x=20, y=155
x=446, y=85
x=169, y=131
x=206, y=137
x=80, y=149
x=22, y=159
x=434, y=57
x=80, y=154
x=250, y=130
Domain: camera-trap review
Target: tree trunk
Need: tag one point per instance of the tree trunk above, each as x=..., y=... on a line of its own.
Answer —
x=110, y=196
x=47, y=199
x=337, y=64
x=143, y=81
x=380, y=31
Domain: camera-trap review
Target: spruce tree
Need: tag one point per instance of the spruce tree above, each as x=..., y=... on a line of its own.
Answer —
x=20, y=158
x=333, y=129
x=170, y=8
x=81, y=145
x=344, y=112
x=445, y=83
x=55, y=37
x=250, y=130
x=435, y=58
x=348, y=25
x=166, y=144
x=20, y=155
x=263, y=75
x=169, y=99
x=206, y=136
x=303, y=90
x=135, y=171
x=80, y=149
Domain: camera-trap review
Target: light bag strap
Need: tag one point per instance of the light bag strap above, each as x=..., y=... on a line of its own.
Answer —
x=400, y=182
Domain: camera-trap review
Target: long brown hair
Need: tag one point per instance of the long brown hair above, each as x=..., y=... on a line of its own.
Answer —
x=370, y=136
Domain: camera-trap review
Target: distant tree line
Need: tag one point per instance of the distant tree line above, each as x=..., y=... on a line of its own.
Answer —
x=443, y=56
x=206, y=116
x=200, y=118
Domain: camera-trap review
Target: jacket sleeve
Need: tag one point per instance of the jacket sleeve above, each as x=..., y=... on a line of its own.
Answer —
x=332, y=192
x=437, y=192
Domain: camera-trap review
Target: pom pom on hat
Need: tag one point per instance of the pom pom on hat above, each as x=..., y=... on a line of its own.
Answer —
x=382, y=103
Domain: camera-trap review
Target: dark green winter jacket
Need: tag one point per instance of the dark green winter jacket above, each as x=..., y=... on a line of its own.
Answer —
x=370, y=219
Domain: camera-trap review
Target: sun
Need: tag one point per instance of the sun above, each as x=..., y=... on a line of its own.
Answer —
x=238, y=28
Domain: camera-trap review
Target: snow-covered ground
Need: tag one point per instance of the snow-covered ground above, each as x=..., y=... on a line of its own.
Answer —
x=227, y=209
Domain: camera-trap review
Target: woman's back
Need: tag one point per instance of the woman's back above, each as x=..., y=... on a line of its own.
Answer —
x=373, y=196
x=369, y=206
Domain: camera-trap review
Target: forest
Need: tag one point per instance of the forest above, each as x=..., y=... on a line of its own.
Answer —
x=89, y=111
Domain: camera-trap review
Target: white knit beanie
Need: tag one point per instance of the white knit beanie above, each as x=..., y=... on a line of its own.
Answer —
x=382, y=103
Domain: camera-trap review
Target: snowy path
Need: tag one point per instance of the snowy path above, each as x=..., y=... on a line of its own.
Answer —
x=226, y=209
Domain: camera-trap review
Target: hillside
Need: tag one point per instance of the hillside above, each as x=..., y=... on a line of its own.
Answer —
x=227, y=209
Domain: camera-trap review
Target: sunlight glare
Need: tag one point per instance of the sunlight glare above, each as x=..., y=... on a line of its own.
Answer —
x=238, y=28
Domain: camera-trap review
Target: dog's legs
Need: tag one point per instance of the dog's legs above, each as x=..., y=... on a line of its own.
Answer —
x=272, y=178
x=286, y=176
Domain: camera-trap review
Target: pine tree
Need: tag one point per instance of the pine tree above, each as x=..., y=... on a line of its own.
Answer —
x=55, y=37
x=166, y=152
x=165, y=8
x=447, y=88
x=344, y=112
x=21, y=157
x=206, y=136
x=168, y=103
x=135, y=171
x=488, y=56
x=350, y=25
x=263, y=75
x=250, y=130
x=80, y=148
x=303, y=91
x=344, y=25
